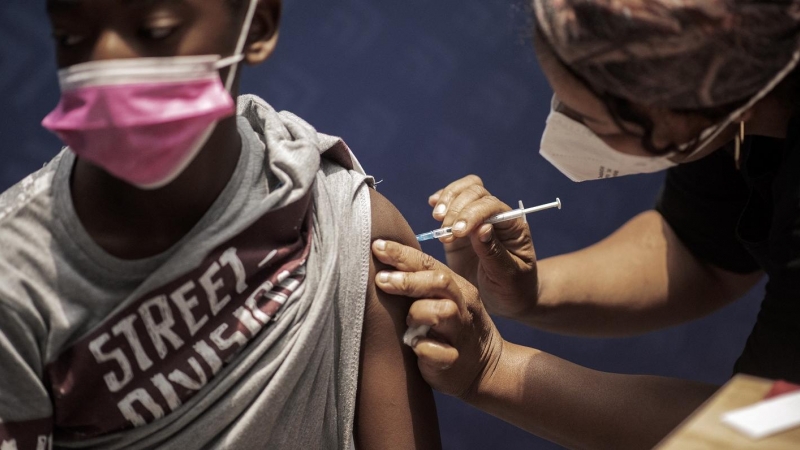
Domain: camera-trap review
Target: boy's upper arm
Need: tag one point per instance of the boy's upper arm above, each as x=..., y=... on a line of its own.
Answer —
x=395, y=407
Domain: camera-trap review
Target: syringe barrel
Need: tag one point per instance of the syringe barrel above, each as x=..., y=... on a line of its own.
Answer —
x=435, y=234
x=502, y=217
x=443, y=232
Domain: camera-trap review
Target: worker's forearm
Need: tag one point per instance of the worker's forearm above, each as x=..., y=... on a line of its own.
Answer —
x=583, y=408
x=639, y=279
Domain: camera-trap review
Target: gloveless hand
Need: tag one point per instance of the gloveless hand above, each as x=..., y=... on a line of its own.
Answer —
x=499, y=259
x=463, y=346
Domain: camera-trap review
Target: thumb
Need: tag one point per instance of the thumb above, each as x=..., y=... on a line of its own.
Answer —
x=495, y=258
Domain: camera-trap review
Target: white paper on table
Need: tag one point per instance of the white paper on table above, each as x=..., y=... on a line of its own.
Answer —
x=767, y=417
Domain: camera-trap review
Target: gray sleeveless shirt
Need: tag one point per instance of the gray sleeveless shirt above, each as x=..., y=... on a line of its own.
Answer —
x=245, y=334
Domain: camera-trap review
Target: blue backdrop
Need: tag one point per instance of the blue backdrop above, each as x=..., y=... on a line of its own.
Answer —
x=424, y=92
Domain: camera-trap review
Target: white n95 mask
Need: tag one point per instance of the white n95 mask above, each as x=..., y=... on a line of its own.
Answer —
x=580, y=155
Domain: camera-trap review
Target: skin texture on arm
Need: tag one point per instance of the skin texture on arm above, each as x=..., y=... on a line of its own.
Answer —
x=464, y=356
x=395, y=407
x=579, y=407
x=639, y=279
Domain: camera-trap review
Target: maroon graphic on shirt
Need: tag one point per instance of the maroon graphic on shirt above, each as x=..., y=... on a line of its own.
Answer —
x=31, y=434
x=148, y=359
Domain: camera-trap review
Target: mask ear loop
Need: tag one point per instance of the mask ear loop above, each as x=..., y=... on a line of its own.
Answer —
x=738, y=145
x=238, y=54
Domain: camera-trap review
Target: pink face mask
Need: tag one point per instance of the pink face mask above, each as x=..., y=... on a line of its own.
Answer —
x=144, y=120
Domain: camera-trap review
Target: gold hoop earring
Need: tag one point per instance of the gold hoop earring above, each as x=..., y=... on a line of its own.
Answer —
x=738, y=145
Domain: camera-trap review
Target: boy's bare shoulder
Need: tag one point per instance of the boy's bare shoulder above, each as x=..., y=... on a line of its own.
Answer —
x=388, y=223
x=389, y=374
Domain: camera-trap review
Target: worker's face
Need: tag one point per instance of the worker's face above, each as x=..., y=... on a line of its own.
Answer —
x=93, y=30
x=578, y=102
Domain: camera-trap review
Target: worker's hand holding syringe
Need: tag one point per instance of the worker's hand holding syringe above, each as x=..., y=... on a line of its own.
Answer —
x=520, y=213
x=455, y=340
x=497, y=258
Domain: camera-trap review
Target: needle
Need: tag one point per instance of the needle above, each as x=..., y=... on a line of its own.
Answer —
x=502, y=217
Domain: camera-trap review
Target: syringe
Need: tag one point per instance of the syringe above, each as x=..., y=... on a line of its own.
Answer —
x=502, y=217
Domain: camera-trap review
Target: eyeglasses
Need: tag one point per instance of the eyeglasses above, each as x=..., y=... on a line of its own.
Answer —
x=559, y=106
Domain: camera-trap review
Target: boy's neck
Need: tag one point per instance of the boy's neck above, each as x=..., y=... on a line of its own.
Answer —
x=131, y=223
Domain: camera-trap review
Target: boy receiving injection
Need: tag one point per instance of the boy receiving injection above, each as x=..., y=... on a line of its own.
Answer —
x=191, y=273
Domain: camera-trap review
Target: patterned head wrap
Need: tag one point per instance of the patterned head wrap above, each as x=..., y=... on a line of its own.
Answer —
x=677, y=54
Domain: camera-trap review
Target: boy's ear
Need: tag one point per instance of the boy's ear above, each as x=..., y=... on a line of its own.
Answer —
x=263, y=34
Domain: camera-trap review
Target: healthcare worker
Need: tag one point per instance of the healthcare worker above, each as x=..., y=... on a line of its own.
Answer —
x=705, y=88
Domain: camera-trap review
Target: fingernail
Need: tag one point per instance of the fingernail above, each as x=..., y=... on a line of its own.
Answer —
x=440, y=210
x=460, y=226
x=397, y=277
x=383, y=277
x=486, y=235
x=380, y=244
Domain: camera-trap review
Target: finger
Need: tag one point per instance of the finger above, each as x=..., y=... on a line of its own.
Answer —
x=454, y=245
x=451, y=192
x=425, y=284
x=443, y=317
x=433, y=199
x=484, y=233
x=495, y=257
x=512, y=234
x=476, y=213
x=413, y=334
x=434, y=355
x=403, y=257
x=466, y=197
